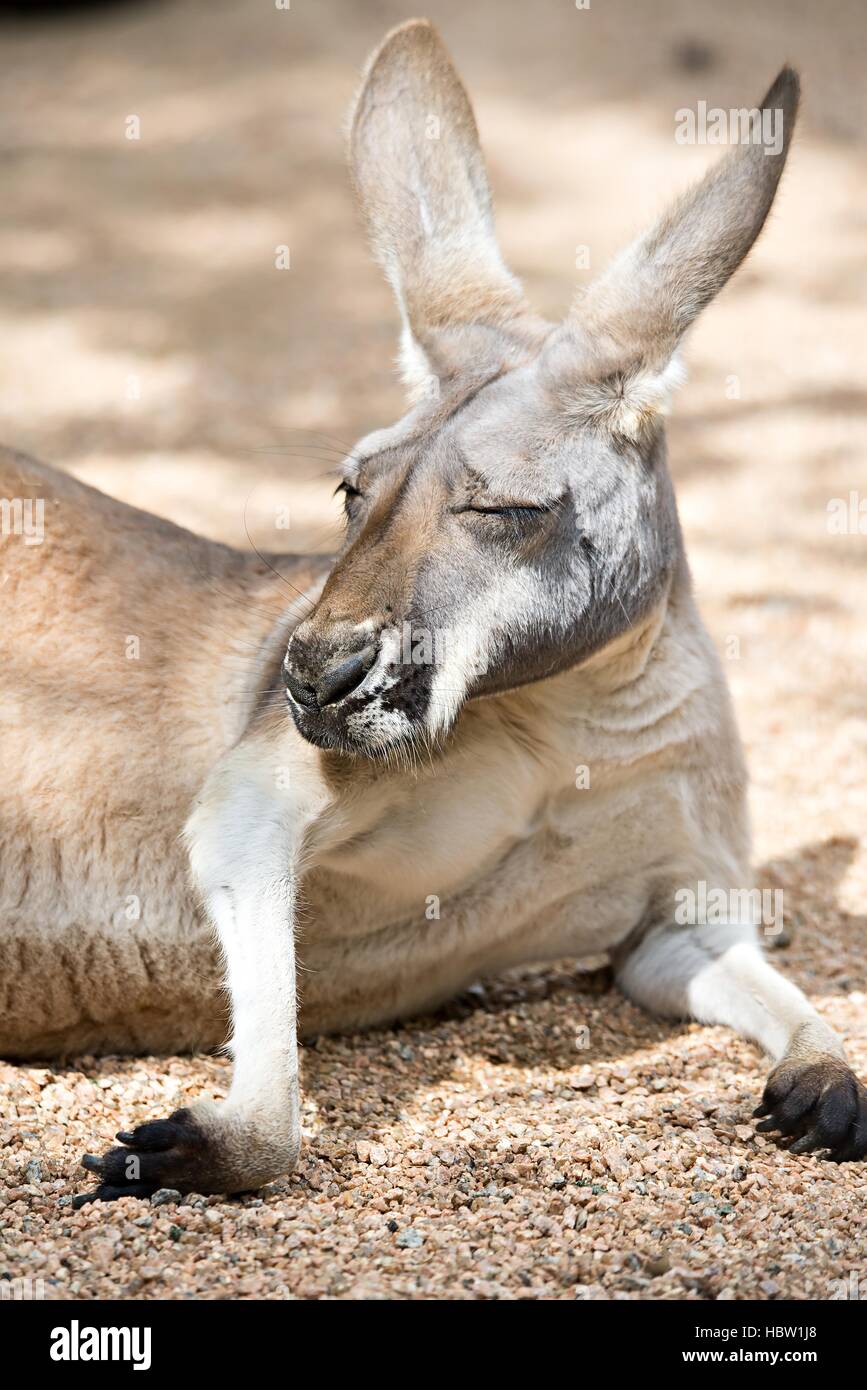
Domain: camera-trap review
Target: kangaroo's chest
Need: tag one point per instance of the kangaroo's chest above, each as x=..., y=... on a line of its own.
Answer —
x=381, y=937
x=499, y=848
x=439, y=835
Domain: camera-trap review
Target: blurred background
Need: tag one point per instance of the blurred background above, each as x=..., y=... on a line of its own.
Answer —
x=156, y=155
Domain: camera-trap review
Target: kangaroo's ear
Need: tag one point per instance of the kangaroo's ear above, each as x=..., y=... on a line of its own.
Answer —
x=635, y=314
x=421, y=181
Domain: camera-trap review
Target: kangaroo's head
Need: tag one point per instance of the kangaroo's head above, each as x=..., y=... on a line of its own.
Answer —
x=520, y=517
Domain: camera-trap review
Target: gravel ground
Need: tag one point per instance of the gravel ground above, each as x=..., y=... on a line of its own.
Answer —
x=482, y=1153
x=476, y=1155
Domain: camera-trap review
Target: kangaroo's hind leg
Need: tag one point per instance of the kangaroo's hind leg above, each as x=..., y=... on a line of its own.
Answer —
x=718, y=974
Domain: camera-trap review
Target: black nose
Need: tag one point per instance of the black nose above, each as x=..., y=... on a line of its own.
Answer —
x=337, y=678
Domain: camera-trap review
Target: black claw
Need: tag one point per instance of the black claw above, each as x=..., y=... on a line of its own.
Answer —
x=159, y=1153
x=820, y=1106
x=108, y=1192
x=156, y=1135
x=808, y=1143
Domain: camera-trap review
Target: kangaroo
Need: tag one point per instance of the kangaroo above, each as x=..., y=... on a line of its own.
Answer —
x=511, y=603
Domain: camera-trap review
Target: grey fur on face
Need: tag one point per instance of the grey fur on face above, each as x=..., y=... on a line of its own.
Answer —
x=521, y=517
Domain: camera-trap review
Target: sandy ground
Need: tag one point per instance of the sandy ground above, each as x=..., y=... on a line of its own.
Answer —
x=150, y=345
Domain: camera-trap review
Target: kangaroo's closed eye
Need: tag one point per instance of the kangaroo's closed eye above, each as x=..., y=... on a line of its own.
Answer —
x=521, y=510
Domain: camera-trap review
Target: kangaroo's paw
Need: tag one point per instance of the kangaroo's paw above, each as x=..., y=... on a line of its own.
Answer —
x=199, y=1150
x=819, y=1104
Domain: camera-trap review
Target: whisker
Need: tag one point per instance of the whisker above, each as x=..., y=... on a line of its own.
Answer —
x=293, y=588
x=246, y=604
x=320, y=434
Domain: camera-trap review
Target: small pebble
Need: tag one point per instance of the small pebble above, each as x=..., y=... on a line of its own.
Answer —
x=164, y=1196
x=409, y=1239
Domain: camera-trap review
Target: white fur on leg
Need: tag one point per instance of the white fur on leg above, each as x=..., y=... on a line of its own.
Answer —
x=718, y=974
x=244, y=840
x=255, y=926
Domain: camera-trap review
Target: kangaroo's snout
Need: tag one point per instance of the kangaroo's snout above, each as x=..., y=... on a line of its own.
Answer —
x=323, y=671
